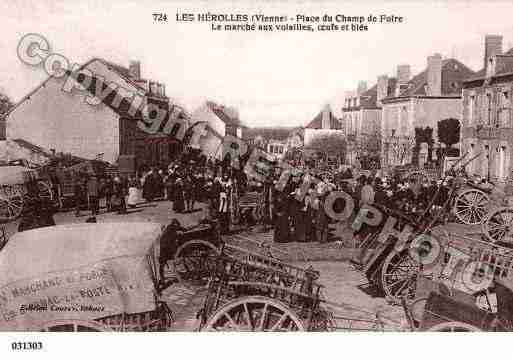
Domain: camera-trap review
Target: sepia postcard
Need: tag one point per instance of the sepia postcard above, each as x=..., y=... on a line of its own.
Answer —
x=261, y=166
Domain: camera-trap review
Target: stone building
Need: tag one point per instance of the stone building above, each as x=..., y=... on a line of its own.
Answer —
x=324, y=123
x=420, y=102
x=325, y=134
x=487, y=126
x=87, y=123
x=361, y=116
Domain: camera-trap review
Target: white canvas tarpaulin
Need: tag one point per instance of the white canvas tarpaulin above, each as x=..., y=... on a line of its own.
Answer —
x=81, y=271
x=10, y=175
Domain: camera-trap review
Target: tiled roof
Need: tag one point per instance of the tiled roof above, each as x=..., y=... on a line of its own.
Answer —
x=504, y=64
x=453, y=73
x=482, y=73
x=316, y=123
x=33, y=148
x=221, y=113
x=369, y=98
x=121, y=71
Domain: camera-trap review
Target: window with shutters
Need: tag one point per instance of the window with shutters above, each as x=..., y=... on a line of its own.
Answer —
x=471, y=105
x=489, y=109
x=505, y=109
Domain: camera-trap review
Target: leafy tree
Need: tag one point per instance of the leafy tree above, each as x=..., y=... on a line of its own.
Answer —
x=449, y=131
x=329, y=144
x=448, y=134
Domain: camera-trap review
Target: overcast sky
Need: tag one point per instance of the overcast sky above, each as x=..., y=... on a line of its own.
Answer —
x=279, y=78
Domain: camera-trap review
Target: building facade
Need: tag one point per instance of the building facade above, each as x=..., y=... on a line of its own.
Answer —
x=325, y=123
x=487, y=126
x=87, y=124
x=420, y=102
x=361, y=116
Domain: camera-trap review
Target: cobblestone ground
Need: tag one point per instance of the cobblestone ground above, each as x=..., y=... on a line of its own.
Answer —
x=345, y=288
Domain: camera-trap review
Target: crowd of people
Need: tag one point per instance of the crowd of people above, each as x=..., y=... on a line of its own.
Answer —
x=418, y=200
x=295, y=216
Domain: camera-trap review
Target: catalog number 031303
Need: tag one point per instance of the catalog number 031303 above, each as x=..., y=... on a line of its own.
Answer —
x=18, y=346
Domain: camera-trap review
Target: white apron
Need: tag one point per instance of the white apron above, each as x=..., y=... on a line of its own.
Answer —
x=133, y=196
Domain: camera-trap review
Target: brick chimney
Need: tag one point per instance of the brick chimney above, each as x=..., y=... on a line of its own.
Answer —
x=493, y=46
x=403, y=74
x=382, y=88
x=362, y=87
x=326, y=117
x=134, y=69
x=434, y=75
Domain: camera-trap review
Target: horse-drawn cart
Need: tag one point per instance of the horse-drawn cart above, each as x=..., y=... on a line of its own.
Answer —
x=394, y=268
x=83, y=277
x=474, y=296
x=250, y=291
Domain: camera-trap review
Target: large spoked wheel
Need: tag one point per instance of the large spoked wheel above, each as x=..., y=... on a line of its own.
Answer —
x=74, y=325
x=399, y=276
x=470, y=206
x=11, y=202
x=498, y=226
x=194, y=262
x=256, y=314
x=453, y=327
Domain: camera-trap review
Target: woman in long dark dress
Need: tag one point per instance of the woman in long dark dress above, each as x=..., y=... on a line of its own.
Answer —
x=281, y=223
x=179, y=201
x=149, y=187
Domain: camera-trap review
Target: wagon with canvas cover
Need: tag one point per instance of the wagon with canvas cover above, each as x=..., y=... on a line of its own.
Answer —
x=83, y=277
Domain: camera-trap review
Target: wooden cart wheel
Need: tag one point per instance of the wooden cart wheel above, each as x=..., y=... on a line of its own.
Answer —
x=453, y=327
x=399, y=276
x=256, y=314
x=194, y=262
x=74, y=325
x=45, y=190
x=417, y=308
x=11, y=202
x=470, y=206
x=498, y=226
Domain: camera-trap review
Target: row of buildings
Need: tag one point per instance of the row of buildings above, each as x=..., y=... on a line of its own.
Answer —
x=394, y=107
x=278, y=141
x=90, y=125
